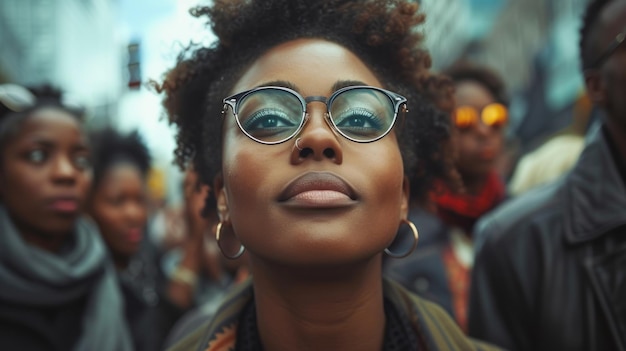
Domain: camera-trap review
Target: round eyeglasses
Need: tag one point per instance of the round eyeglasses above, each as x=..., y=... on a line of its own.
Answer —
x=272, y=115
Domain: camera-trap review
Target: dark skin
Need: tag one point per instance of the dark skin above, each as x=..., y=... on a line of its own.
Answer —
x=45, y=176
x=478, y=146
x=315, y=255
x=193, y=248
x=118, y=205
x=607, y=84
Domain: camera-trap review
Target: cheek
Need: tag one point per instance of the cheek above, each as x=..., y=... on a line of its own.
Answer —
x=246, y=172
x=84, y=183
x=380, y=171
x=390, y=169
x=465, y=145
x=246, y=166
x=106, y=215
x=20, y=183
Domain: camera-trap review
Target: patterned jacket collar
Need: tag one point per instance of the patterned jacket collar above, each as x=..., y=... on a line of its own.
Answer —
x=431, y=322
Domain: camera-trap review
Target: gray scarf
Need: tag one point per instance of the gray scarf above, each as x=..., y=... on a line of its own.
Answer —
x=34, y=277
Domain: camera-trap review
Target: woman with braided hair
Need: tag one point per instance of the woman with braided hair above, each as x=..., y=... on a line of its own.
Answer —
x=310, y=119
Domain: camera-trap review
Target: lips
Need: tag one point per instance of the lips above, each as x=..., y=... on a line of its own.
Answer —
x=64, y=204
x=318, y=189
x=487, y=154
x=134, y=235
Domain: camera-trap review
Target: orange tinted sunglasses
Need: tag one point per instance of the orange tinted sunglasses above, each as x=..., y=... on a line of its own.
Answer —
x=493, y=115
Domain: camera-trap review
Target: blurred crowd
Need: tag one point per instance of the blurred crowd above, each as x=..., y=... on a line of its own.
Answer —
x=522, y=248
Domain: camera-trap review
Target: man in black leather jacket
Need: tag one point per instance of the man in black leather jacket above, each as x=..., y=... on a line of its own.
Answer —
x=550, y=273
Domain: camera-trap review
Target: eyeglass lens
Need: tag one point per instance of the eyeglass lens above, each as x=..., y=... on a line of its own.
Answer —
x=273, y=115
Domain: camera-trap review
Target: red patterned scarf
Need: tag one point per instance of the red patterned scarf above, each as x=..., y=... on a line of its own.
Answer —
x=463, y=210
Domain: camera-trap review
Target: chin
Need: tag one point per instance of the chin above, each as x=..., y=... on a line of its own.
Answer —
x=128, y=250
x=322, y=256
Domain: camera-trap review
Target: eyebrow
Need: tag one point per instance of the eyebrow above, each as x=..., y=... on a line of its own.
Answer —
x=338, y=85
x=279, y=83
x=347, y=83
x=43, y=141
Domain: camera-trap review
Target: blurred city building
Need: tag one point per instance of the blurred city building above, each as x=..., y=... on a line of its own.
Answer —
x=70, y=44
x=532, y=43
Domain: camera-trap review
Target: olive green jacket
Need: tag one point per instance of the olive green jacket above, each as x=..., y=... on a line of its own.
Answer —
x=436, y=327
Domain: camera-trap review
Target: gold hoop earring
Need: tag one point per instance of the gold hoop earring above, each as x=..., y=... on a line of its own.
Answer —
x=218, y=232
x=413, y=246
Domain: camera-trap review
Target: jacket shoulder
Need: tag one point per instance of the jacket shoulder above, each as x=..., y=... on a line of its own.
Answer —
x=514, y=217
x=439, y=329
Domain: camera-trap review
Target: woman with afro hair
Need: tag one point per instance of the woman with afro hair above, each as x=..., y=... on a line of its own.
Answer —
x=316, y=124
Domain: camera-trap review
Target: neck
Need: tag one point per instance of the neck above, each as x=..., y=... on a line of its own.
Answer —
x=310, y=310
x=474, y=183
x=121, y=262
x=51, y=242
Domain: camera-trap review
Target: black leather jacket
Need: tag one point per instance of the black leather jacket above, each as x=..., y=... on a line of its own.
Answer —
x=551, y=270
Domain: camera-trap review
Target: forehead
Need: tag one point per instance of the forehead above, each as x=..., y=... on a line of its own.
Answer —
x=468, y=92
x=50, y=120
x=122, y=173
x=312, y=65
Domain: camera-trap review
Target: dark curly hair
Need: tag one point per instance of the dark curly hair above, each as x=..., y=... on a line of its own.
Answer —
x=588, y=48
x=381, y=33
x=45, y=96
x=469, y=71
x=109, y=146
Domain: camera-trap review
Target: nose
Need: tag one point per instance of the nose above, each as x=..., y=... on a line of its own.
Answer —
x=483, y=131
x=135, y=212
x=63, y=170
x=317, y=140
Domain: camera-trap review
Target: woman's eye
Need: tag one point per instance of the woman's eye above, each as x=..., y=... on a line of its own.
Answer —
x=268, y=122
x=36, y=156
x=355, y=121
x=268, y=119
x=358, y=118
x=270, y=125
x=82, y=162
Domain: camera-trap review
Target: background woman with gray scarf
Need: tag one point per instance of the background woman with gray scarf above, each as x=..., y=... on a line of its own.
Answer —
x=57, y=288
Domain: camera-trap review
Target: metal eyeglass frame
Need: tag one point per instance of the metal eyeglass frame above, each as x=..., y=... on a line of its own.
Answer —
x=394, y=98
x=615, y=43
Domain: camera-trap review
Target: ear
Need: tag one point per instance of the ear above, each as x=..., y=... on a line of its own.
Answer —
x=406, y=198
x=595, y=87
x=222, y=200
